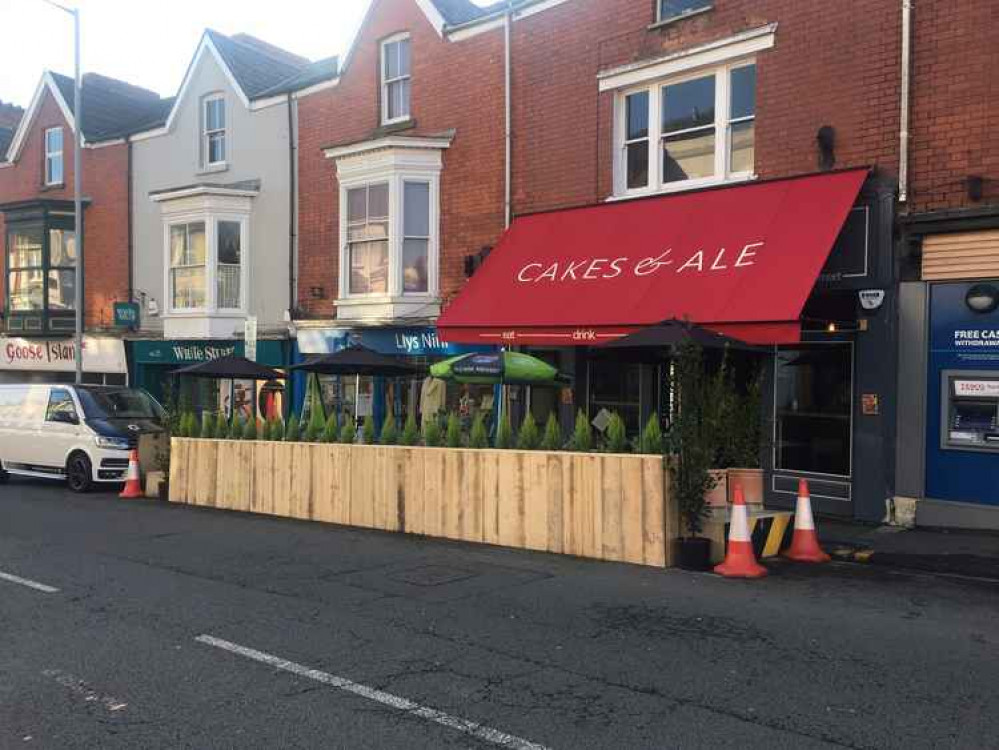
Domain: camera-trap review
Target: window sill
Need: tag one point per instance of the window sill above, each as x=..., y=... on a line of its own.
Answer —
x=46, y=186
x=213, y=168
x=677, y=19
x=383, y=307
x=394, y=126
x=683, y=188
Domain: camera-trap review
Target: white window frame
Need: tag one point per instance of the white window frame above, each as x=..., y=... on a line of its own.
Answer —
x=50, y=156
x=211, y=218
x=660, y=18
x=385, y=81
x=206, y=133
x=396, y=180
x=722, y=125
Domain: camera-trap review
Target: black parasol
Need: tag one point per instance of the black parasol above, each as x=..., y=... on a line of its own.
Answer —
x=672, y=333
x=356, y=360
x=230, y=368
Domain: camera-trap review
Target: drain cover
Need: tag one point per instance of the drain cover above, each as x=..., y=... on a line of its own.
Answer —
x=431, y=575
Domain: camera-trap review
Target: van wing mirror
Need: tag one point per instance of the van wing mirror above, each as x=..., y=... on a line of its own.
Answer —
x=65, y=417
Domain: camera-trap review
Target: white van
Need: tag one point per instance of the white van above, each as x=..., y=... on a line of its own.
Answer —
x=80, y=433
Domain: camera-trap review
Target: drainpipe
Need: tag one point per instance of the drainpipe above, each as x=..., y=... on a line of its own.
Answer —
x=903, y=136
x=508, y=189
x=129, y=219
x=292, y=208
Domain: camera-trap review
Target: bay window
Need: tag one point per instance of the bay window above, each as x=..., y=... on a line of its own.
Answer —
x=389, y=227
x=702, y=126
x=187, y=265
x=206, y=265
x=41, y=272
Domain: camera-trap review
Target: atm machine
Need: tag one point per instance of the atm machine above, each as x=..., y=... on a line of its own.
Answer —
x=970, y=410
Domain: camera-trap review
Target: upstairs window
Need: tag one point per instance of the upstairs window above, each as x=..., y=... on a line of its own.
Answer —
x=688, y=132
x=206, y=264
x=214, y=131
x=669, y=10
x=53, y=157
x=395, y=65
x=188, y=266
x=368, y=238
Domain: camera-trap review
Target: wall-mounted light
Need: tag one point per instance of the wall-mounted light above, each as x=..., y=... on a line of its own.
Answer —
x=982, y=298
x=832, y=328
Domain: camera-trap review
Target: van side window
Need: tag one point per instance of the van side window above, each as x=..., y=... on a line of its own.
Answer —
x=60, y=402
x=12, y=401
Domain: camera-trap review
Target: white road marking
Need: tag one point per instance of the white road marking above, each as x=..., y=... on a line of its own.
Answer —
x=83, y=690
x=30, y=584
x=471, y=728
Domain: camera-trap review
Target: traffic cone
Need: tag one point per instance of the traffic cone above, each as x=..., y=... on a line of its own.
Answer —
x=805, y=542
x=740, y=562
x=133, y=485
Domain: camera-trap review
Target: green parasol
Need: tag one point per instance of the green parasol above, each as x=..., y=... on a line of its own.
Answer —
x=510, y=368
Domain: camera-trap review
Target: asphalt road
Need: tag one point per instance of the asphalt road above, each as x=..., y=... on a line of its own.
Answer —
x=173, y=627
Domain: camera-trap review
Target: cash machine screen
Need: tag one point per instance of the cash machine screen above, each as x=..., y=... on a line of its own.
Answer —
x=971, y=412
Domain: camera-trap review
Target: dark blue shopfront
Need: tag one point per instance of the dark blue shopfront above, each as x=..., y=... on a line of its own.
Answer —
x=962, y=420
x=371, y=396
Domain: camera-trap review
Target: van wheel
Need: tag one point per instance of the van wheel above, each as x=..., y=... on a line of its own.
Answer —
x=79, y=473
x=4, y=476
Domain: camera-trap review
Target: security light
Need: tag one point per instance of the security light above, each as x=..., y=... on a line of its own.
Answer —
x=982, y=298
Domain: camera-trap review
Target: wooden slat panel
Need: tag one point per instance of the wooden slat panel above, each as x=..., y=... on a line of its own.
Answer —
x=413, y=485
x=340, y=496
x=490, y=497
x=535, y=485
x=263, y=478
x=282, y=480
x=632, y=510
x=511, y=498
x=451, y=497
x=180, y=471
x=471, y=496
x=433, y=499
x=661, y=525
x=555, y=501
x=611, y=504
x=962, y=255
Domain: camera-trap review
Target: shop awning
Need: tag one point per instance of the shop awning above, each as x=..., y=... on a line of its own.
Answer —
x=739, y=260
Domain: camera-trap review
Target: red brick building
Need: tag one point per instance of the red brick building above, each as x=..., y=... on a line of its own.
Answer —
x=37, y=221
x=735, y=92
x=949, y=259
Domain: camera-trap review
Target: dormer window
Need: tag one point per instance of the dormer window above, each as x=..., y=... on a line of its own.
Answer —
x=671, y=10
x=53, y=156
x=395, y=79
x=214, y=131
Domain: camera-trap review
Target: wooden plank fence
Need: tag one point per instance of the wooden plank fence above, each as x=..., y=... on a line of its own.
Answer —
x=602, y=506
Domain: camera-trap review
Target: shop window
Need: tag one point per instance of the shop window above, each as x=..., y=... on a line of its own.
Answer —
x=703, y=128
x=213, y=131
x=206, y=259
x=41, y=276
x=53, y=157
x=670, y=10
x=616, y=387
x=813, y=409
x=396, y=79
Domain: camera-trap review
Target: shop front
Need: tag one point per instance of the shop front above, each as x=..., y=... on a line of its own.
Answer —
x=787, y=265
x=153, y=364
x=53, y=360
x=364, y=396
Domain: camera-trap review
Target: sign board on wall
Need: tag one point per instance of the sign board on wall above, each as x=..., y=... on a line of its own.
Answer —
x=104, y=355
x=976, y=388
x=406, y=342
x=250, y=338
x=126, y=315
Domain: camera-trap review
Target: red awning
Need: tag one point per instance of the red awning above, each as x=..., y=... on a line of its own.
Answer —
x=739, y=260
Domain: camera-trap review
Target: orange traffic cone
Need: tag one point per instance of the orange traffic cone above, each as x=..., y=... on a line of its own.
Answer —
x=740, y=562
x=133, y=485
x=805, y=542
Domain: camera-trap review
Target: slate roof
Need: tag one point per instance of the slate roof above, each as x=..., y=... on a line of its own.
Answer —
x=6, y=136
x=457, y=12
x=112, y=108
x=257, y=66
x=317, y=72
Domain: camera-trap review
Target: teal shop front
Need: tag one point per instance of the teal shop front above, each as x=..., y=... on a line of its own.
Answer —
x=152, y=363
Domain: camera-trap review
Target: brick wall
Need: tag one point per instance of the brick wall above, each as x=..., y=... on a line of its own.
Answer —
x=105, y=184
x=955, y=103
x=455, y=86
x=834, y=63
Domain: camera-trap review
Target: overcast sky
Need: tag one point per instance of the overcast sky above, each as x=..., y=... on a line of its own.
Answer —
x=150, y=42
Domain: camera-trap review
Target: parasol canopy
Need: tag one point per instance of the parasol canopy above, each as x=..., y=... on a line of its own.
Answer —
x=671, y=333
x=512, y=368
x=230, y=367
x=356, y=360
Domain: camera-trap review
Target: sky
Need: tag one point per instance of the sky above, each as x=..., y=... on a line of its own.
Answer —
x=150, y=42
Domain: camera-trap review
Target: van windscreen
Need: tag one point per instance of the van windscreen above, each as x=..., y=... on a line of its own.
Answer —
x=126, y=403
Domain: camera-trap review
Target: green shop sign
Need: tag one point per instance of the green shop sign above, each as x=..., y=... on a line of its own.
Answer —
x=173, y=352
x=126, y=315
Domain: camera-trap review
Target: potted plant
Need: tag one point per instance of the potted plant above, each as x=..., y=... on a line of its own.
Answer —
x=692, y=442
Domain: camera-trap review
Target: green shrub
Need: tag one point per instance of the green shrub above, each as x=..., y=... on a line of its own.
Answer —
x=479, y=437
x=390, y=433
x=348, y=432
x=207, y=425
x=528, y=437
x=651, y=439
x=315, y=428
x=432, y=433
x=552, y=439
x=292, y=430
x=273, y=430
x=617, y=435
x=504, y=433
x=410, y=432
x=250, y=429
x=368, y=431
x=582, y=435
x=236, y=428
x=452, y=437
x=331, y=431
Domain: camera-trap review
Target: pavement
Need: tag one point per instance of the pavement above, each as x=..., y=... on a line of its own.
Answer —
x=138, y=624
x=955, y=552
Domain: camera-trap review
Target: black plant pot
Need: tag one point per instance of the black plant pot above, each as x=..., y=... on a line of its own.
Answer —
x=163, y=491
x=693, y=553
